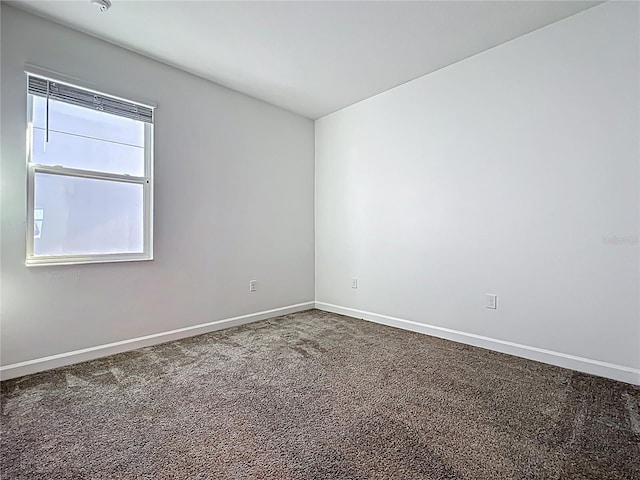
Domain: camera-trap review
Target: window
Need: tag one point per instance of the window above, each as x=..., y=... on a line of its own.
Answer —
x=90, y=175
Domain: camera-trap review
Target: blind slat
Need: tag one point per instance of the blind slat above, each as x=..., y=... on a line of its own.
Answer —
x=85, y=98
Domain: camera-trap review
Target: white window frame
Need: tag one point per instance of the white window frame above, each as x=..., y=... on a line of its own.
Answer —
x=146, y=181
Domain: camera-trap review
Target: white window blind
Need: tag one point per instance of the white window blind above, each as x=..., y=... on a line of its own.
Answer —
x=62, y=92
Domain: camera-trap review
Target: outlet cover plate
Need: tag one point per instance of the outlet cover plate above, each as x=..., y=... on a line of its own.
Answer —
x=492, y=301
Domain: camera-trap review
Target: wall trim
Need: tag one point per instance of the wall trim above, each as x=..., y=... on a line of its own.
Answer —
x=564, y=360
x=63, y=359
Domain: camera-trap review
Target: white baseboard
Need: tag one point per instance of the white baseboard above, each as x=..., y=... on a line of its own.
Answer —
x=91, y=353
x=572, y=362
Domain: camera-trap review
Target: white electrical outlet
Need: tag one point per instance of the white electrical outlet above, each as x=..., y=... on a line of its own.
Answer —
x=354, y=283
x=492, y=301
x=253, y=285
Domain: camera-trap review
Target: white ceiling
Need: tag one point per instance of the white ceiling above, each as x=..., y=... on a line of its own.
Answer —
x=309, y=57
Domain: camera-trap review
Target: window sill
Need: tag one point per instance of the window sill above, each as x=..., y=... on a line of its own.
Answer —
x=83, y=260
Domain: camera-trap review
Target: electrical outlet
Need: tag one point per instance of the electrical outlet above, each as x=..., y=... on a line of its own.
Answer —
x=492, y=301
x=354, y=283
x=253, y=285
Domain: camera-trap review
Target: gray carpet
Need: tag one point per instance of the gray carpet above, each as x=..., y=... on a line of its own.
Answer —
x=315, y=395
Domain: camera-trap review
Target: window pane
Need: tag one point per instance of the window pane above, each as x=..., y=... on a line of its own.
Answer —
x=87, y=153
x=64, y=117
x=79, y=216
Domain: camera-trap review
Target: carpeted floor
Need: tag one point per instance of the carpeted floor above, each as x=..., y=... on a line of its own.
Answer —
x=315, y=395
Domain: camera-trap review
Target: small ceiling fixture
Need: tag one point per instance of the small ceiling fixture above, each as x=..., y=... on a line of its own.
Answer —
x=103, y=5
